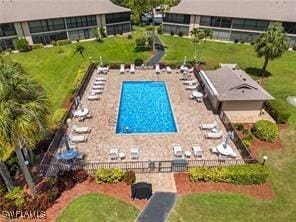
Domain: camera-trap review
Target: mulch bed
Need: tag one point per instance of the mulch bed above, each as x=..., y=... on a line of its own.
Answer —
x=184, y=187
x=120, y=191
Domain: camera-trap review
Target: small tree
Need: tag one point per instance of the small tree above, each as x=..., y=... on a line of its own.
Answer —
x=271, y=44
x=208, y=34
x=79, y=49
x=102, y=32
x=97, y=35
x=21, y=44
x=196, y=36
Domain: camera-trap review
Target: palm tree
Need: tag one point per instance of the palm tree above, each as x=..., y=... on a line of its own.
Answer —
x=208, y=33
x=271, y=44
x=24, y=110
x=196, y=36
x=79, y=49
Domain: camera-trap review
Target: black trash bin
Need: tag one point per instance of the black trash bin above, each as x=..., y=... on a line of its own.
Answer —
x=141, y=190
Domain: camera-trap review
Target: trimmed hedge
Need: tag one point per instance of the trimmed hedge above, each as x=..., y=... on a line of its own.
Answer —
x=58, y=117
x=113, y=175
x=265, y=130
x=239, y=174
x=63, y=42
x=278, y=111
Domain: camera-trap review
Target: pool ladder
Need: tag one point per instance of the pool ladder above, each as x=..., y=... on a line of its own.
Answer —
x=112, y=120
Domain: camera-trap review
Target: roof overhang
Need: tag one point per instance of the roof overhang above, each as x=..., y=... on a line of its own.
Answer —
x=208, y=84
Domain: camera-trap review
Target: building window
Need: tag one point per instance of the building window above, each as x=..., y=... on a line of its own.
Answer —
x=7, y=30
x=49, y=38
x=6, y=44
x=244, y=36
x=81, y=34
x=118, y=29
x=250, y=24
x=177, y=18
x=205, y=20
x=81, y=21
x=176, y=29
x=117, y=17
x=46, y=25
x=221, y=22
x=290, y=27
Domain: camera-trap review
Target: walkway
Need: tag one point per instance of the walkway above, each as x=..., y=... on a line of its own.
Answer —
x=159, y=52
x=158, y=207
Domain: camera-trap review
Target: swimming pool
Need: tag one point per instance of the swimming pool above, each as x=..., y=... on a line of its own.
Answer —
x=145, y=108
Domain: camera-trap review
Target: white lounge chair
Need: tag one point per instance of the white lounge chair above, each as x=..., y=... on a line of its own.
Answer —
x=197, y=151
x=177, y=150
x=214, y=150
x=92, y=97
x=190, y=70
x=135, y=153
x=96, y=91
x=132, y=69
x=208, y=126
x=190, y=82
x=168, y=70
x=157, y=69
x=78, y=138
x=101, y=78
x=191, y=87
x=81, y=129
x=100, y=82
x=122, y=70
x=98, y=87
x=211, y=135
x=233, y=155
x=114, y=153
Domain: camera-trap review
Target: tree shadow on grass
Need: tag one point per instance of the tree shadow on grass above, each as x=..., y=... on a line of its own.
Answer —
x=256, y=72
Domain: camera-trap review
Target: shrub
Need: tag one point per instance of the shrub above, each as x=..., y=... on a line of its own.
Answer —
x=172, y=33
x=149, y=28
x=239, y=126
x=114, y=175
x=242, y=42
x=63, y=42
x=79, y=76
x=159, y=30
x=17, y=196
x=180, y=34
x=235, y=41
x=278, y=111
x=239, y=174
x=138, y=62
x=265, y=130
x=141, y=43
x=80, y=176
x=21, y=44
x=252, y=43
x=130, y=36
x=58, y=117
x=65, y=180
x=129, y=177
x=54, y=42
x=37, y=46
x=246, y=142
x=245, y=132
x=102, y=32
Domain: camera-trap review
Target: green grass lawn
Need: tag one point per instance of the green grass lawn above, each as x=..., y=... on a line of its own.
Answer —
x=55, y=68
x=281, y=84
x=232, y=207
x=94, y=207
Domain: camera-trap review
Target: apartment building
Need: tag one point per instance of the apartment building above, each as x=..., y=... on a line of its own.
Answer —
x=241, y=20
x=44, y=21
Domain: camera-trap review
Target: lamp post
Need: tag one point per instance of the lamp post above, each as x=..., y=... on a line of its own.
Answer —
x=264, y=159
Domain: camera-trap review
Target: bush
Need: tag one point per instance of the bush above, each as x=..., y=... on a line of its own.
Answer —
x=79, y=76
x=138, y=62
x=80, y=176
x=149, y=28
x=252, y=43
x=159, y=30
x=172, y=33
x=130, y=36
x=246, y=142
x=239, y=174
x=129, y=177
x=239, y=126
x=278, y=111
x=37, y=46
x=102, y=32
x=58, y=117
x=235, y=41
x=265, y=130
x=141, y=43
x=180, y=34
x=22, y=45
x=17, y=196
x=242, y=42
x=114, y=175
x=245, y=132
x=63, y=42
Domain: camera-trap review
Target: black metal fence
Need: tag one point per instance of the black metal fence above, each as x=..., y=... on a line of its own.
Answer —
x=163, y=166
x=53, y=147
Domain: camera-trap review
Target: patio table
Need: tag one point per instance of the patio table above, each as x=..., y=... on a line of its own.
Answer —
x=81, y=112
x=69, y=154
x=224, y=149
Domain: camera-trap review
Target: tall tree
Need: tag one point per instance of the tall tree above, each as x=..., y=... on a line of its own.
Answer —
x=24, y=111
x=80, y=49
x=208, y=34
x=271, y=44
x=196, y=35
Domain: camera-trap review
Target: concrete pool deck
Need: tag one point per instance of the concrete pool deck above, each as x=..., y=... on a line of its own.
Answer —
x=188, y=115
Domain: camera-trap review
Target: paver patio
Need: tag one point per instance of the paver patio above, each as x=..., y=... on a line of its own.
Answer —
x=188, y=115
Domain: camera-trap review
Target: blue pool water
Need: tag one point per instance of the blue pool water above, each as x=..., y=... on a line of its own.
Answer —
x=145, y=108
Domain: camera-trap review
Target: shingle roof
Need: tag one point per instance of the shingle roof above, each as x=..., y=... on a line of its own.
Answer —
x=274, y=10
x=235, y=84
x=26, y=10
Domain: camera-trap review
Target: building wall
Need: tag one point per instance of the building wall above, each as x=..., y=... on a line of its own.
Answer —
x=242, y=106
